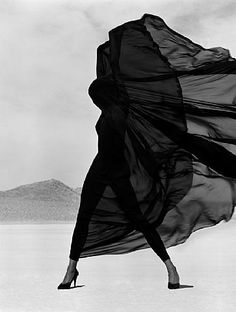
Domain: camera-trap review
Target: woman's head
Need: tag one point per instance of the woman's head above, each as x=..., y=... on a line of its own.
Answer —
x=103, y=92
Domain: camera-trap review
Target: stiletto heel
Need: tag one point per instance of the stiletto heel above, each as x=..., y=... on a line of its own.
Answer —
x=75, y=277
x=67, y=285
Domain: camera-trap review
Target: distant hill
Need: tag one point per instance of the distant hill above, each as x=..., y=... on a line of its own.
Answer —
x=44, y=201
x=41, y=202
x=78, y=189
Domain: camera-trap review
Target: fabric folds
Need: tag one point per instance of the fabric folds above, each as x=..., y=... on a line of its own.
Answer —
x=173, y=102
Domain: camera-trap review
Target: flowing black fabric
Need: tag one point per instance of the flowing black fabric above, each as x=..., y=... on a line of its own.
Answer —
x=172, y=104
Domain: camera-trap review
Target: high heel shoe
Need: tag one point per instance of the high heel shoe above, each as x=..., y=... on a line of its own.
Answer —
x=67, y=285
x=173, y=286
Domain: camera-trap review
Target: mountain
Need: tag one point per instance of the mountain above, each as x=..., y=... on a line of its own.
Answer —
x=44, y=201
x=78, y=190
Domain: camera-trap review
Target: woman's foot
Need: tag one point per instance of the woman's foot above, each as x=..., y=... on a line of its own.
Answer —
x=173, y=276
x=66, y=285
x=71, y=273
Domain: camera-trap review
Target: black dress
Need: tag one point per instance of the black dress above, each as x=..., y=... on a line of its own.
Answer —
x=167, y=142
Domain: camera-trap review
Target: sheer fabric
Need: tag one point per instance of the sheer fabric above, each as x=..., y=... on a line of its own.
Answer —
x=173, y=103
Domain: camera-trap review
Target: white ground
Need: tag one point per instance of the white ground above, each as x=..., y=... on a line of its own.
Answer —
x=33, y=259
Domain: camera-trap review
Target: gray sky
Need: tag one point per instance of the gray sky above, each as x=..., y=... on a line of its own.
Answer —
x=47, y=61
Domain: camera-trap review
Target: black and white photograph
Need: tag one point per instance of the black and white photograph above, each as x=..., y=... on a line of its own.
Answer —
x=118, y=155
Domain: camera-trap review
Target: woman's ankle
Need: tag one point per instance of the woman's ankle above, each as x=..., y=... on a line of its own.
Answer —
x=72, y=264
x=169, y=265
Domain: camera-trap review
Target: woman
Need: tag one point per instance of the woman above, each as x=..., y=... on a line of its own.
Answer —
x=163, y=150
x=110, y=168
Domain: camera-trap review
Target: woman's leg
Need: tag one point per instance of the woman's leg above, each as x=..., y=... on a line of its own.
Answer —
x=92, y=192
x=129, y=203
x=112, y=147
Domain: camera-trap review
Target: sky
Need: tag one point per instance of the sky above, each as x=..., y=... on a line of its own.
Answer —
x=48, y=60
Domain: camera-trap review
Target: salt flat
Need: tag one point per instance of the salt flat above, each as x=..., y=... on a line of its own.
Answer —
x=34, y=258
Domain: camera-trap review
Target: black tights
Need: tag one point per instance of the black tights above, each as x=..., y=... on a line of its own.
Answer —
x=91, y=193
x=110, y=168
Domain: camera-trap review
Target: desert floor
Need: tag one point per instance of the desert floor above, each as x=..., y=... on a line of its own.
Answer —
x=33, y=260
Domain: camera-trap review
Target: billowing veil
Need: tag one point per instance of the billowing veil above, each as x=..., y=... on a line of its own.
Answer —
x=180, y=139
